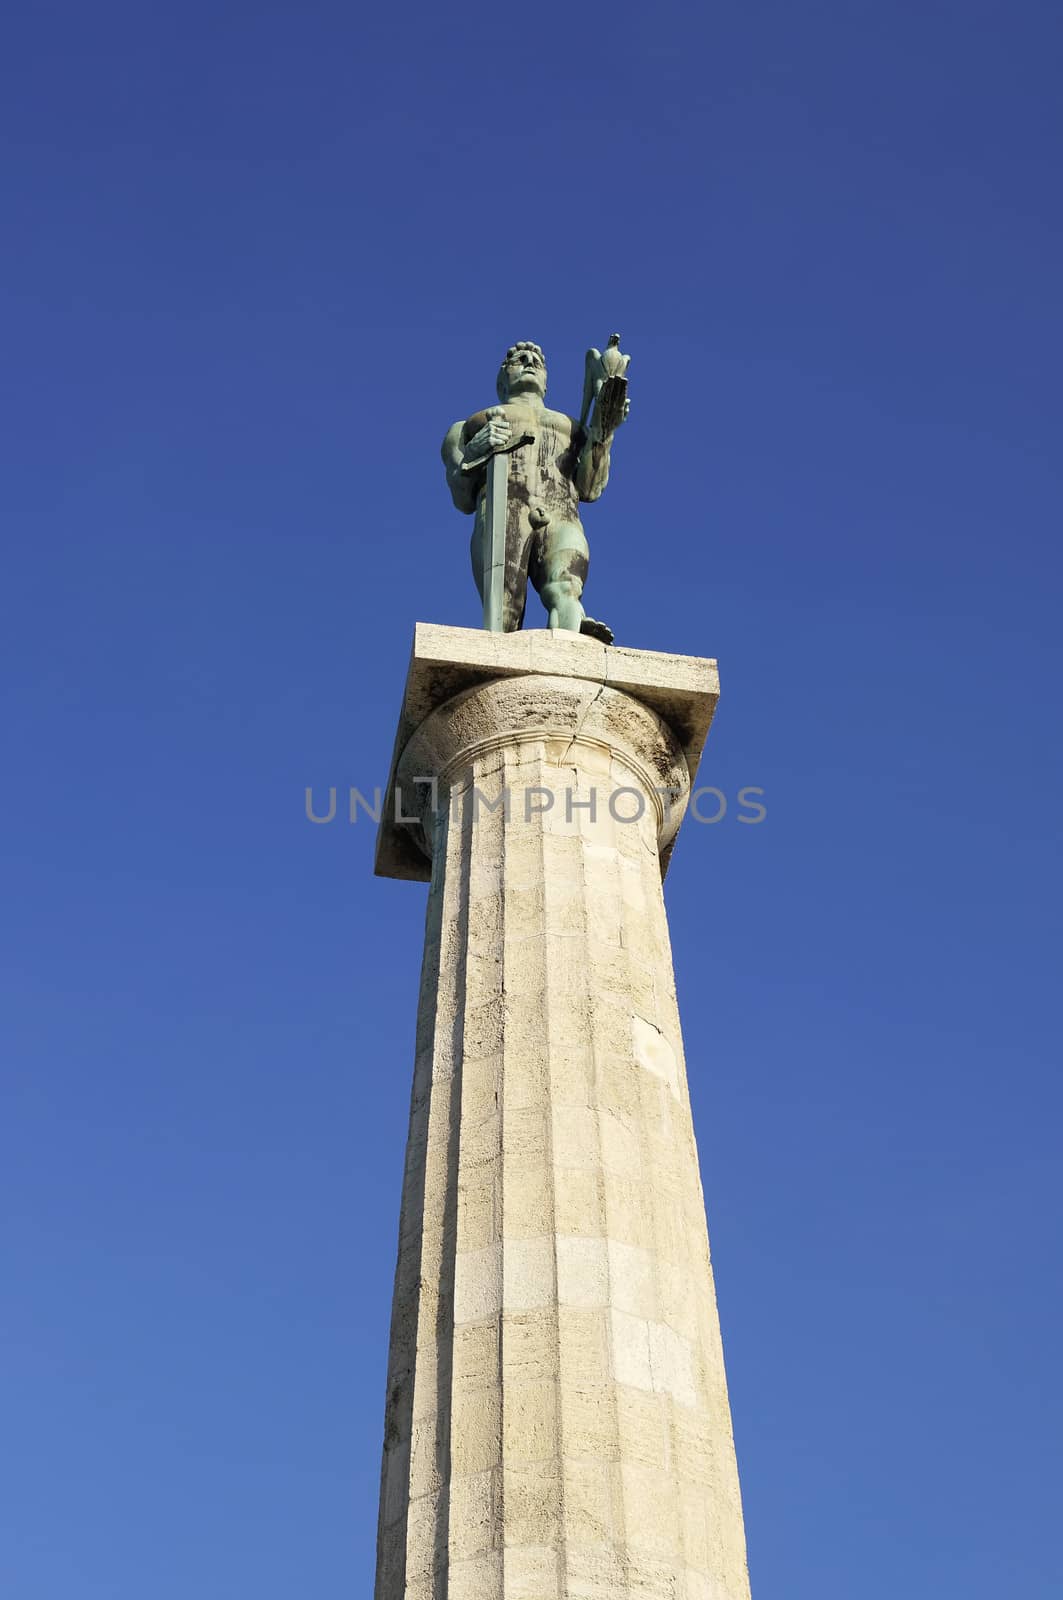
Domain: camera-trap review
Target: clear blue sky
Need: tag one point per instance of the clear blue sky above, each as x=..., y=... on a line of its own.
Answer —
x=257, y=258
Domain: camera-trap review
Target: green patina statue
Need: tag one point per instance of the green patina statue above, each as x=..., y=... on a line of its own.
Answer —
x=523, y=470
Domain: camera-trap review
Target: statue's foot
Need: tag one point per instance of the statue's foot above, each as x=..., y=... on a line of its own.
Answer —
x=596, y=630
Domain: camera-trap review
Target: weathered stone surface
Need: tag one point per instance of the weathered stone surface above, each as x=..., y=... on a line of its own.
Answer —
x=682, y=690
x=557, y=1419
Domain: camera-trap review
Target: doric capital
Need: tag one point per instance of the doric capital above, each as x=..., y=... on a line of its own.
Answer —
x=475, y=700
x=562, y=725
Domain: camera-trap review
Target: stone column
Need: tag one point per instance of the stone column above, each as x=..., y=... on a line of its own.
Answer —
x=557, y=1420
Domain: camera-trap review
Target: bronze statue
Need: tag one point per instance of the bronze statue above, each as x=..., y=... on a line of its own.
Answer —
x=523, y=470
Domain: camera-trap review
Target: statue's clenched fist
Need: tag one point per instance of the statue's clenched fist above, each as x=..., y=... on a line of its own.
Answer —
x=494, y=435
x=603, y=426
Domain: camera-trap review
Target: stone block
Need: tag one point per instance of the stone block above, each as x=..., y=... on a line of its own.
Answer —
x=473, y=1516
x=530, y=1431
x=532, y=1572
x=591, y=1489
x=481, y=1578
x=532, y=1501
x=582, y=1272
x=578, y=1207
x=476, y=1432
x=651, y=1520
x=530, y=1346
x=477, y=1284
x=528, y=1274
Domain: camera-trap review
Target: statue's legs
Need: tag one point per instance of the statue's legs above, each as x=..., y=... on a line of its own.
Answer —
x=554, y=556
x=518, y=553
x=558, y=570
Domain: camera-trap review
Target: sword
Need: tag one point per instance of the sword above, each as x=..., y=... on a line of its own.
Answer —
x=496, y=502
x=494, y=540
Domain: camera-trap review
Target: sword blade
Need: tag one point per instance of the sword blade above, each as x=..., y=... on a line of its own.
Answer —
x=494, y=541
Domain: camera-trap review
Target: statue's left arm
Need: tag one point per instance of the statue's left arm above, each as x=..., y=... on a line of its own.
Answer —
x=592, y=467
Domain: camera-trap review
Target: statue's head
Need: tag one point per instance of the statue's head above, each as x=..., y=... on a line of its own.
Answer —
x=522, y=372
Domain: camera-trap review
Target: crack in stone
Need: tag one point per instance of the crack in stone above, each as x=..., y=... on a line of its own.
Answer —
x=563, y=758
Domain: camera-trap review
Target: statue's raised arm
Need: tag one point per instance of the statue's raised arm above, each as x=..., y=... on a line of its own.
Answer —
x=521, y=470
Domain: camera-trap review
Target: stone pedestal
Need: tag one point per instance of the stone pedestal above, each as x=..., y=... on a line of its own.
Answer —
x=557, y=1420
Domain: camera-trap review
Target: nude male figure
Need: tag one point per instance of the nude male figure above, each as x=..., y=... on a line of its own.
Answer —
x=554, y=463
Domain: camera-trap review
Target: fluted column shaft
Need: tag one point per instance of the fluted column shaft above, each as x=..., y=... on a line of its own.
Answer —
x=557, y=1417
